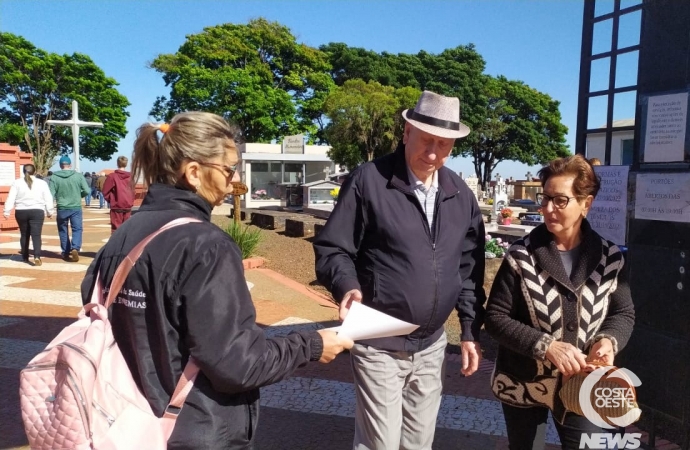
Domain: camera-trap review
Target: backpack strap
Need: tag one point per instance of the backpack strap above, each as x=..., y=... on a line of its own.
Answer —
x=191, y=370
x=184, y=386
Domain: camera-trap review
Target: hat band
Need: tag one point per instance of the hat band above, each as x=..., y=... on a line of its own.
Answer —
x=447, y=124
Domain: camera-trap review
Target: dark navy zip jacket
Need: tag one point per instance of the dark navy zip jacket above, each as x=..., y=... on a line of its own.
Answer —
x=377, y=240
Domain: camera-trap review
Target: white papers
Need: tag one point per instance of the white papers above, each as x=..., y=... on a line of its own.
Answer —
x=665, y=132
x=363, y=322
x=608, y=215
x=663, y=196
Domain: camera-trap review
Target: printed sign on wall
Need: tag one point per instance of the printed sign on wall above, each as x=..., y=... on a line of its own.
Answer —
x=608, y=215
x=663, y=196
x=667, y=116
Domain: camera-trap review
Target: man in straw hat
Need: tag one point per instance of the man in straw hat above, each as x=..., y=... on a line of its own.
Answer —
x=407, y=239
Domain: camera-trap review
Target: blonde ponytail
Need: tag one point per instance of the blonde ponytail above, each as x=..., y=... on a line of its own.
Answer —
x=160, y=150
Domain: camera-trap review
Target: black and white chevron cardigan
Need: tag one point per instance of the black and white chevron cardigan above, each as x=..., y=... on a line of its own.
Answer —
x=533, y=302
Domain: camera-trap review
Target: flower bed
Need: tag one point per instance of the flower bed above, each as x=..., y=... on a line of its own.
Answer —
x=494, y=247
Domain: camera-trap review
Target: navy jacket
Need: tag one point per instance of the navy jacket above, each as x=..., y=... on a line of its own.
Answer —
x=377, y=240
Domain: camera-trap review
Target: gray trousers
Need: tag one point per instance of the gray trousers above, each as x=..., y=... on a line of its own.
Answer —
x=398, y=396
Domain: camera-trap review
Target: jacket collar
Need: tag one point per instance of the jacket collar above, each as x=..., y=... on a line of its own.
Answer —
x=401, y=180
x=548, y=257
x=163, y=197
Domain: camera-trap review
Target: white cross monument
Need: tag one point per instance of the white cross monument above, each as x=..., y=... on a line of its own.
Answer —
x=75, y=123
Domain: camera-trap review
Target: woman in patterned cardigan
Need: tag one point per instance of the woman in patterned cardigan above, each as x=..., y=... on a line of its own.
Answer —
x=560, y=300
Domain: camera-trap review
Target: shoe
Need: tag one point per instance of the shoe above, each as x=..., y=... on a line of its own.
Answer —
x=37, y=262
x=74, y=255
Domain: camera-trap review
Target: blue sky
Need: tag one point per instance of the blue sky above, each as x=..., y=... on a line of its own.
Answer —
x=537, y=42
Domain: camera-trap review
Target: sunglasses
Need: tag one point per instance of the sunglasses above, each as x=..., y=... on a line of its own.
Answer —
x=228, y=171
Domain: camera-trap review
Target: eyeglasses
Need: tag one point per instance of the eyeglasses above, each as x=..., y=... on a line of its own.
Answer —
x=228, y=171
x=559, y=201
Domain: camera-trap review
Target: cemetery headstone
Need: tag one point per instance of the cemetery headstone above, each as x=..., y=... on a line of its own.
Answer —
x=473, y=183
x=500, y=195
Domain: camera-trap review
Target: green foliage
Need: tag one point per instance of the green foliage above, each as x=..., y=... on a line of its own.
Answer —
x=495, y=246
x=520, y=124
x=453, y=72
x=365, y=120
x=36, y=86
x=256, y=75
x=246, y=238
x=11, y=132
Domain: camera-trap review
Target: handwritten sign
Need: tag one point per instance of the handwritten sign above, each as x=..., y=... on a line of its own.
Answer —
x=667, y=117
x=608, y=214
x=293, y=144
x=7, y=173
x=664, y=197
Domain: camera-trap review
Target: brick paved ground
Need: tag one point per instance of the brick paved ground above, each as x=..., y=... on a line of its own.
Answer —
x=313, y=409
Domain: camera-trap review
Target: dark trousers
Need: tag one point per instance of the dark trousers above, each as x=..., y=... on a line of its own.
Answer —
x=30, y=224
x=118, y=217
x=527, y=428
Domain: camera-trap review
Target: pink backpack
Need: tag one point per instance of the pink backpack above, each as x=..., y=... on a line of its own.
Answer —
x=79, y=393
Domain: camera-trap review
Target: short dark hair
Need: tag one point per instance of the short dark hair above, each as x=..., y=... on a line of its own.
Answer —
x=586, y=181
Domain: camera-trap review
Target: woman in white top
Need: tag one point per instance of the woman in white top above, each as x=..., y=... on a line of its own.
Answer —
x=30, y=196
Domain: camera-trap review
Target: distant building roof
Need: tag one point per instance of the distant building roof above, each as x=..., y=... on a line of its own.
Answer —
x=621, y=123
x=316, y=183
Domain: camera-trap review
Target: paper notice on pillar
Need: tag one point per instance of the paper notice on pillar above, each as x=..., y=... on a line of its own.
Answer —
x=609, y=211
x=663, y=196
x=667, y=117
x=363, y=322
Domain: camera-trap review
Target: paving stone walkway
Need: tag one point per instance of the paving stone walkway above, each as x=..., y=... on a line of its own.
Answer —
x=313, y=409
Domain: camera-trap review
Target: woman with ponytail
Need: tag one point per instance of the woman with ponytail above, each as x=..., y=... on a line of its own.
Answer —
x=186, y=296
x=30, y=196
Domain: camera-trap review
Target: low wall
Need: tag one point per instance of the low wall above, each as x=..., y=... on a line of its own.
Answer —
x=11, y=158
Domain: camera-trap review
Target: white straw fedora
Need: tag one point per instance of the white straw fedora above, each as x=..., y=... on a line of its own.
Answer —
x=437, y=115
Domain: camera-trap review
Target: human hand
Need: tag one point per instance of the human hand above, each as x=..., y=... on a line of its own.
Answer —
x=333, y=344
x=601, y=353
x=350, y=296
x=566, y=357
x=471, y=356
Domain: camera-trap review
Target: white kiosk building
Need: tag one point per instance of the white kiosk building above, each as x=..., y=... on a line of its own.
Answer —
x=275, y=173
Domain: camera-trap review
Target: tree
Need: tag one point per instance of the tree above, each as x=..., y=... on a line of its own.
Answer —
x=36, y=86
x=509, y=120
x=256, y=75
x=365, y=120
x=453, y=72
x=520, y=124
